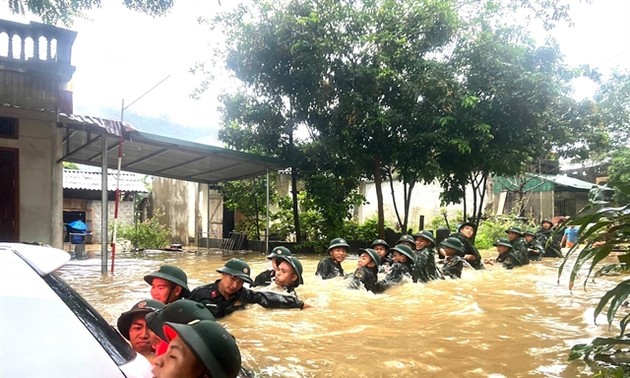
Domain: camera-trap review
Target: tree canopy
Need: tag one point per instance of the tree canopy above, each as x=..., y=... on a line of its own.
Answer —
x=64, y=11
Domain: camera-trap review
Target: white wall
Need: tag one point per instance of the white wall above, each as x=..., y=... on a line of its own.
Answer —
x=425, y=200
x=40, y=191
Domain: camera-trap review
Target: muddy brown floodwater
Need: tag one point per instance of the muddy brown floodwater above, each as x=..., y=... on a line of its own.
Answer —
x=495, y=322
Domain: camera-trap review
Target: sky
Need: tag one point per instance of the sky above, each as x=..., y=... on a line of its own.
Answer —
x=120, y=54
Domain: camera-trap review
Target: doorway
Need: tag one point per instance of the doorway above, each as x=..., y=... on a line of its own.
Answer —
x=9, y=195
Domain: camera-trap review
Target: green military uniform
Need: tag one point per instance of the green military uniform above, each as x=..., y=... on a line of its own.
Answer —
x=399, y=271
x=518, y=245
x=328, y=267
x=535, y=250
x=508, y=259
x=210, y=296
x=366, y=276
x=265, y=277
x=469, y=247
x=549, y=239
x=424, y=263
x=453, y=265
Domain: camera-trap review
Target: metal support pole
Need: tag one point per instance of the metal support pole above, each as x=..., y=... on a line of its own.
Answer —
x=267, y=230
x=104, y=204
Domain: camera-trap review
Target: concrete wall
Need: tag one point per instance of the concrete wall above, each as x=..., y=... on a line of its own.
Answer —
x=40, y=190
x=425, y=200
x=125, y=216
x=183, y=208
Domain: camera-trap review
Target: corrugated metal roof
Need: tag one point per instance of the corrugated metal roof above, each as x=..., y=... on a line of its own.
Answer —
x=156, y=155
x=91, y=180
x=567, y=181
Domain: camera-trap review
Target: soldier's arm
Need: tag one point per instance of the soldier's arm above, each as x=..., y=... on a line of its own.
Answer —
x=269, y=299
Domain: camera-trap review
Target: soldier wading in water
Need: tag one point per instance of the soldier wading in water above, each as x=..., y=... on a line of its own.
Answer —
x=227, y=294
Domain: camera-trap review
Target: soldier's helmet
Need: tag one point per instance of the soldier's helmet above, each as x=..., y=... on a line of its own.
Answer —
x=181, y=311
x=372, y=253
x=504, y=242
x=515, y=230
x=406, y=239
x=145, y=306
x=379, y=242
x=405, y=250
x=425, y=234
x=295, y=264
x=172, y=274
x=530, y=233
x=211, y=344
x=338, y=242
x=279, y=251
x=237, y=268
x=454, y=243
x=461, y=225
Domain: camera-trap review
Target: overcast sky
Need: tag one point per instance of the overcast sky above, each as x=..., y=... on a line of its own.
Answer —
x=120, y=54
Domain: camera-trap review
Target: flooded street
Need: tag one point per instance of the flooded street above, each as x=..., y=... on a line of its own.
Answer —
x=495, y=322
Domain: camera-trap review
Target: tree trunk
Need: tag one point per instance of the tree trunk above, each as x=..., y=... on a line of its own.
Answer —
x=408, y=191
x=256, y=210
x=391, y=185
x=294, y=195
x=296, y=214
x=379, y=198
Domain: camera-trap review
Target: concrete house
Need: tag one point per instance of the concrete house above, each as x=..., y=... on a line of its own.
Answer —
x=34, y=71
x=38, y=132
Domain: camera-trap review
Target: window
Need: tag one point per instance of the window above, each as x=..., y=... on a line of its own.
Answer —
x=8, y=128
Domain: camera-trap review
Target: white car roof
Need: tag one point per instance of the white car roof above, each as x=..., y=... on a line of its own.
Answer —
x=42, y=258
x=39, y=335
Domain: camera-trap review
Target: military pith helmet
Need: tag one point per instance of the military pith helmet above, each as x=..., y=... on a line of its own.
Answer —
x=373, y=255
x=295, y=264
x=406, y=238
x=379, y=242
x=279, y=251
x=172, y=274
x=546, y=221
x=213, y=346
x=454, y=243
x=145, y=306
x=425, y=234
x=530, y=232
x=504, y=242
x=471, y=224
x=405, y=250
x=237, y=268
x=181, y=311
x=516, y=230
x=338, y=242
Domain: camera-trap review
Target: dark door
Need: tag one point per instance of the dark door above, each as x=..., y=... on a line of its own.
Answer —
x=228, y=222
x=9, y=195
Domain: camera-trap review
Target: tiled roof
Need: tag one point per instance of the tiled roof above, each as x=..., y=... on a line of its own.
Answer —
x=91, y=180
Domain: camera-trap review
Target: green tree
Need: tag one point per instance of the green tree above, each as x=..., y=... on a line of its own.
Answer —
x=347, y=71
x=504, y=111
x=619, y=173
x=64, y=11
x=249, y=197
x=612, y=101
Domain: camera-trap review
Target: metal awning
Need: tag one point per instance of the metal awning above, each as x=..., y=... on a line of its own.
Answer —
x=566, y=181
x=156, y=155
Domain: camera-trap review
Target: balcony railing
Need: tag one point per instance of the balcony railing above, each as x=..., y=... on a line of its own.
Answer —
x=38, y=47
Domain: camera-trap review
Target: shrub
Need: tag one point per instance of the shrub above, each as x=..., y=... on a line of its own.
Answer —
x=149, y=234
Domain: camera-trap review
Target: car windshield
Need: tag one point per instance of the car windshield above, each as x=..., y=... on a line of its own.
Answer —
x=115, y=345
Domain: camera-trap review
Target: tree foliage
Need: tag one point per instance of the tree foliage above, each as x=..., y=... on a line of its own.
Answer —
x=600, y=233
x=416, y=91
x=619, y=173
x=65, y=11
